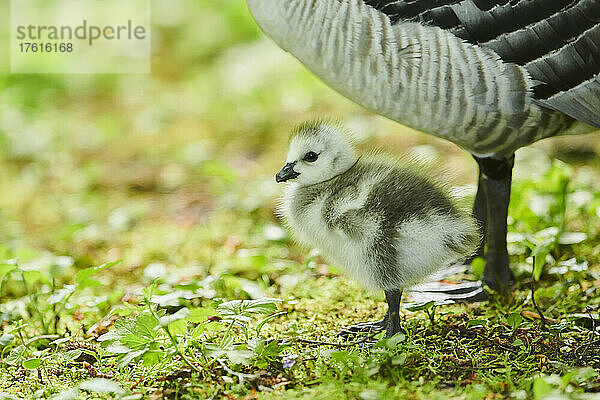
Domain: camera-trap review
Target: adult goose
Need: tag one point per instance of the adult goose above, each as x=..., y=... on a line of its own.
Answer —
x=489, y=75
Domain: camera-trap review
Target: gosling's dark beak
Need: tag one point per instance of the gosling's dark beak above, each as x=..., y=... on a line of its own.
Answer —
x=286, y=173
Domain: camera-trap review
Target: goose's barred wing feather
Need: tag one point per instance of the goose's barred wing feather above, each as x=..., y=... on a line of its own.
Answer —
x=557, y=41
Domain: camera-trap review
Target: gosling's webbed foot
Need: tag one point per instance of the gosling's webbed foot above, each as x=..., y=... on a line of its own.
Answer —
x=368, y=342
x=390, y=323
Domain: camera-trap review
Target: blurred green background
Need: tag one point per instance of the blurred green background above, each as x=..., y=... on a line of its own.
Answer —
x=173, y=173
x=176, y=167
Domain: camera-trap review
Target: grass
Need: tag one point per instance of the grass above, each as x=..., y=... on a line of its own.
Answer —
x=136, y=214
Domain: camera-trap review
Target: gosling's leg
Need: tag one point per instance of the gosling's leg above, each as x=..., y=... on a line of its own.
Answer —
x=393, y=324
x=497, y=177
x=391, y=321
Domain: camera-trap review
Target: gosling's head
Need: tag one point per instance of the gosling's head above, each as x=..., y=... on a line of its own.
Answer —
x=318, y=151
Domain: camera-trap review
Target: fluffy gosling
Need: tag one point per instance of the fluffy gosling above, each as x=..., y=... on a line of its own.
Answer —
x=388, y=224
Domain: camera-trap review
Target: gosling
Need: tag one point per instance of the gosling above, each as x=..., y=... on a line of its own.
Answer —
x=386, y=223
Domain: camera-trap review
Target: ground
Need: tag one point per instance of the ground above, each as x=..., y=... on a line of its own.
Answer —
x=137, y=211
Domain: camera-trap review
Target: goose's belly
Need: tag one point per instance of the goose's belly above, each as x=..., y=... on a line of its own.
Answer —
x=421, y=76
x=449, y=89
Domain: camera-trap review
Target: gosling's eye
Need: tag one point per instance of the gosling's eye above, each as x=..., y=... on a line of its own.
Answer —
x=311, y=156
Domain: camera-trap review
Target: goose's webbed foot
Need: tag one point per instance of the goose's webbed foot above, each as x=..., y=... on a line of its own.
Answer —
x=364, y=327
x=446, y=292
x=393, y=328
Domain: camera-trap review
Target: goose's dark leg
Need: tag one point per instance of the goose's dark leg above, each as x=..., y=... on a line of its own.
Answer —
x=393, y=324
x=490, y=210
x=496, y=181
x=480, y=214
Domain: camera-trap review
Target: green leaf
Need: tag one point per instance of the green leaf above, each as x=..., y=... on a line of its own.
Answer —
x=263, y=305
x=125, y=326
x=145, y=325
x=514, y=320
x=84, y=279
x=134, y=334
x=198, y=330
x=541, y=388
x=567, y=378
x=476, y=322
x=399, y=359
x=198, y=315
x=395, y=340
x=340, y=355
x=178, y=327
x=240, y=356
x=546, y=293
x=372, y=369
x=264, y=350
x=73, y=354
x=539, y=254
x=33, y=277
x=169, y=319
x=5, y=270
x=123, y=311
x=109, y=336
x=32, y=363
x=16, y=355
x=99, y=385
x=421, y=306
x=61, y=294
x=135, y=341
x=152, y=357
x=126, y=358
x=267, y=319
x=477, y=267
x=118, y=348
